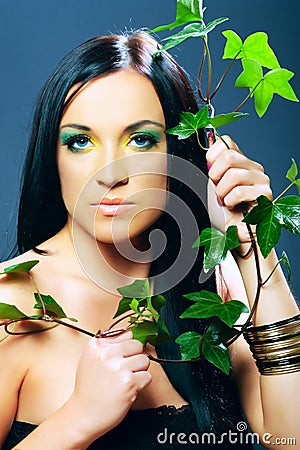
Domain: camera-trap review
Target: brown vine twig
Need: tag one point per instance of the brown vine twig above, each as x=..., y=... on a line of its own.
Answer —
x=224, y=75
x=248, y=96
x=200, y=93
x=258, y=277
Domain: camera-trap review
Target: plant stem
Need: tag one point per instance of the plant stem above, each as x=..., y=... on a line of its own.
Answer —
x=258, y=277
x=209, y=70
x=248, y=96
x=60, y=322
x=117, y=321
x=200, y=93
x=284, y=191
x=161, y=360
x=269, y=276
x=199, y=142
x=224, y=75
x=223, y=140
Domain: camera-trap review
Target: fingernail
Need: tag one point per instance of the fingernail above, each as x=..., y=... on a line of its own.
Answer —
x=208, y=166
x=210, y=134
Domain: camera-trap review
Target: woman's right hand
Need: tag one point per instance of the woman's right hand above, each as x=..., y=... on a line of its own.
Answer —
x=110, y=374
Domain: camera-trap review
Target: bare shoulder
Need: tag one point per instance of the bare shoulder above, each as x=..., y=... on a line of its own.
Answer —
x=16, y=288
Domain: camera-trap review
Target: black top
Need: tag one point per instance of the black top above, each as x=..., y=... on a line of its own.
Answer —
x=147, y=429
x=162, y=428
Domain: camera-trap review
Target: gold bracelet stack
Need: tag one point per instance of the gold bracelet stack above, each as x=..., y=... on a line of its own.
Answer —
x=276, y=347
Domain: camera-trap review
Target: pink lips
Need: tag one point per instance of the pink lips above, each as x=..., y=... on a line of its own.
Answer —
x=113, y=206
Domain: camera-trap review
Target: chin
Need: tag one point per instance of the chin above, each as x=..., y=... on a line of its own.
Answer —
x=121, y=231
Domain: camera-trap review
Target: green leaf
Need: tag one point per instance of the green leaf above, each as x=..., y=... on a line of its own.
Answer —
x=219, y=332
x=189, y=345
x=265, y=86
x=145, y=331
x=251, y=75
x=270, y=217
x=231, y=311
x=158, y=301
x=200, y=295
x=21, y=267
x=254, y=47
x=268, y=220
x=213, y=345
x=134, y=305
x=216, y=245
x=289, y=209
x=224, y=119
x=163, y=327
x=233, y=46
x=189, y=123
x=216, y=354
x=186, y=11
x=10, y=312
x=207, y=304
x=193, y=30
x=124, y=306
x=275, y=82
x=51, y=305
x=292, y=172
x=137, y=289
x=286, y=262
x=154, y=304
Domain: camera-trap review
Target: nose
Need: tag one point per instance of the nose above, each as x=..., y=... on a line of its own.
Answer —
x=113, y=173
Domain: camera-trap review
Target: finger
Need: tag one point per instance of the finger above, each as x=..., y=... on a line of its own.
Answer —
x=230, y=159
x=240, y=177
x=245, y=194
x=98, y=343
x=136, y=363
x=220, y=146
x=142, y=379
x=211, y=138
x=127, y=335
x=130, y=348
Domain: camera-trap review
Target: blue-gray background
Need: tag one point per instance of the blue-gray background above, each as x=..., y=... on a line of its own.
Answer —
x=36, y=34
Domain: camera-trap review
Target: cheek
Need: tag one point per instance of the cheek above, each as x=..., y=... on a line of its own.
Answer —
x=72, y=181
x=151, y=198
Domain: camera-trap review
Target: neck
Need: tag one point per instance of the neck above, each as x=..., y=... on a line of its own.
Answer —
x=108, y=265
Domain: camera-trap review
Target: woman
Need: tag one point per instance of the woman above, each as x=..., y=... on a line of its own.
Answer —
x=98, y=156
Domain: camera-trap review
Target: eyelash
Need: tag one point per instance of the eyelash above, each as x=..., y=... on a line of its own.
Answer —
x=72, y=140
x=153, y=140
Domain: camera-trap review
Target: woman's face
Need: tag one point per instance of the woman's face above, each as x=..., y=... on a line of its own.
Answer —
x=112, y=157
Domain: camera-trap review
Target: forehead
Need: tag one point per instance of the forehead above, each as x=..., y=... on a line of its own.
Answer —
x=123, y=96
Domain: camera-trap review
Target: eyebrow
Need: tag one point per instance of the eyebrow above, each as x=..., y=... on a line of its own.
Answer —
x=141, y=123
x=132, y=127
x=77, y=126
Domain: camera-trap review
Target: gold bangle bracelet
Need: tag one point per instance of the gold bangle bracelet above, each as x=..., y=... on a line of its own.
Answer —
x=276, y=347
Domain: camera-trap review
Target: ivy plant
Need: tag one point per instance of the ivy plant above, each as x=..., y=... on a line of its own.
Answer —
x=263, y=77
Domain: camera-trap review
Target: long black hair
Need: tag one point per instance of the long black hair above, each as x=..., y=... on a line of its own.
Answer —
x=42, y=212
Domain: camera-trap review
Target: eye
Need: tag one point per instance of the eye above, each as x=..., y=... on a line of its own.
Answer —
x=143, y=141
x=77, y=142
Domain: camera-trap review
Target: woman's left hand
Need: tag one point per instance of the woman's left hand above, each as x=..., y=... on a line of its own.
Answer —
x=234, y=179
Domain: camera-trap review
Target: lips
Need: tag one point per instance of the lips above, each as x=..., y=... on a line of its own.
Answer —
x=112, y=201
x=113, y=206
